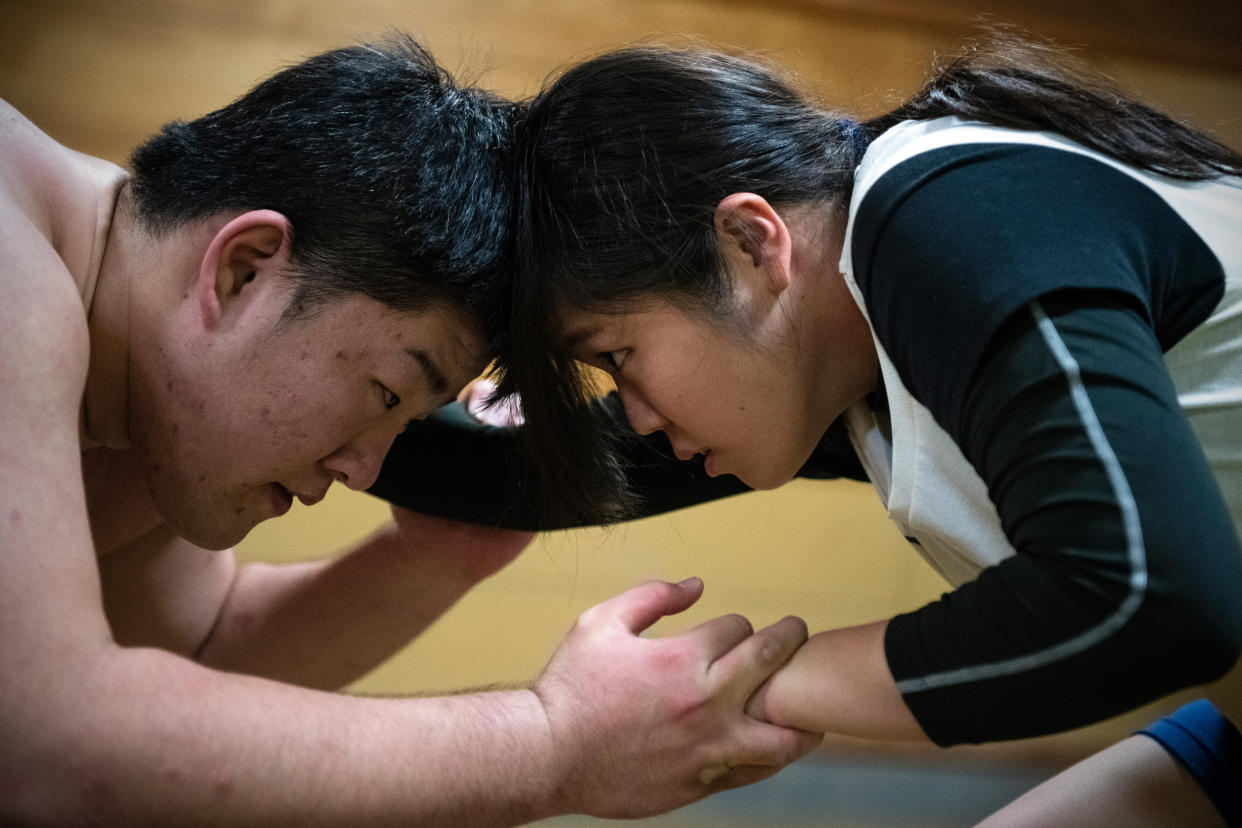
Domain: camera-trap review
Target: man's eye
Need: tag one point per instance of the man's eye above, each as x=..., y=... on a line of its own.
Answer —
x=391, y=400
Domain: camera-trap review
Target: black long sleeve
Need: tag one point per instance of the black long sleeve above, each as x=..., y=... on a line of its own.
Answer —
x=1025, y=296
x=1125, y=585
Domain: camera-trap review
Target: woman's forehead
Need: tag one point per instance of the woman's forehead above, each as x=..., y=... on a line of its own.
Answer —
x=579, y=325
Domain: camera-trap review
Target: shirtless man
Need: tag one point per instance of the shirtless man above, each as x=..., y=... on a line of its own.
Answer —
x=183, y=352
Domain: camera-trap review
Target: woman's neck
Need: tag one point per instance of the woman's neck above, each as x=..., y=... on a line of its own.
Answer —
x=845, y=349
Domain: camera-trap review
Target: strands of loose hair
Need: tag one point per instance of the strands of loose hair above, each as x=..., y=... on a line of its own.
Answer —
x=1011, y=81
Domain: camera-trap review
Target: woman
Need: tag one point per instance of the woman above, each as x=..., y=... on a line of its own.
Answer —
x=1020, y=298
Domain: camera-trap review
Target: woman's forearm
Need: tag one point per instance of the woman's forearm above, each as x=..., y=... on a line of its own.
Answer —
x=839, y=682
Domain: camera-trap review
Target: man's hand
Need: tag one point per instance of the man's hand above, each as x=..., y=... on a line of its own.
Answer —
x=642, y=726
x=478, y=397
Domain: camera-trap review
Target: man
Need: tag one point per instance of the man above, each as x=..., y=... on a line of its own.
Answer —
x=256, y=313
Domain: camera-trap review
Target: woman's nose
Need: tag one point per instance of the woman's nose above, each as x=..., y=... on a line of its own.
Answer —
x=643, y=418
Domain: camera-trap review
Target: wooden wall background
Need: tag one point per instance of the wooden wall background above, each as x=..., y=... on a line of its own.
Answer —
x=99, y=76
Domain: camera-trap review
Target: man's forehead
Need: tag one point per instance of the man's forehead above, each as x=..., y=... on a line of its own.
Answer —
x=442, y=342
x=445, y=342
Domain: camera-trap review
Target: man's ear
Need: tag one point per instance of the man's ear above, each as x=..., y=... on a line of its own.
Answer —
x=250, y=250
x=749, y=228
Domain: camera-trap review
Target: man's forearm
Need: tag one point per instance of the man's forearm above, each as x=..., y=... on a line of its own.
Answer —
x=618, y=725
x=153, y=736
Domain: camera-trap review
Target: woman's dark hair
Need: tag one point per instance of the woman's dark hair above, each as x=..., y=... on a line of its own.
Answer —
x=1008, y=81
x=624, y=160
x=626, y=156
x=396, y=181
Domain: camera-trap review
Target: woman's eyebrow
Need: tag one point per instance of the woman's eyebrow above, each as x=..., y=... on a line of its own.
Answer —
x=575, y=338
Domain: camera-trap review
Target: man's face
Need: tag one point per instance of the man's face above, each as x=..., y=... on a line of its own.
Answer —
x=242, y=420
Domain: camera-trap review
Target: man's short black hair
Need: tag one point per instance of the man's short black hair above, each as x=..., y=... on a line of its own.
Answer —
x=396, y=180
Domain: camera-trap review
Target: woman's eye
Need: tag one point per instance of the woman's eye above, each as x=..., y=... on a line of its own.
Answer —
x=614, y=359
x=391, y=400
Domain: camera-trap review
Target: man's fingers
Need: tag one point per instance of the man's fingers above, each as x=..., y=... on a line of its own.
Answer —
x=742, y=776
x=767, y=749
x=479, y=398
x=720, y=635
x=752, y=661
x=476, y=391
x=647, y=603
x=771, y=746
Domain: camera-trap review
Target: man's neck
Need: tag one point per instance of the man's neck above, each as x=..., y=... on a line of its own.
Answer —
x=105, y=403
x=144, y=277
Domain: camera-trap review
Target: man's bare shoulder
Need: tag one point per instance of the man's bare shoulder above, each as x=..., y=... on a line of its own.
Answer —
x=43, y=324
x=44, y=353
x=28, y=169
x=43, y=327
x=44, y=339
x=53, y=200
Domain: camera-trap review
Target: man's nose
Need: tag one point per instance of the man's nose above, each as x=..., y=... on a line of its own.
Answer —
x=357, y=463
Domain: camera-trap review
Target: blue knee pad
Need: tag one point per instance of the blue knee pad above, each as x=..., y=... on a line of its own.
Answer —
x=1209, y=747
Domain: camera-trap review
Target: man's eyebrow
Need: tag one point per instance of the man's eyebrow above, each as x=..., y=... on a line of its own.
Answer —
x=435, y=377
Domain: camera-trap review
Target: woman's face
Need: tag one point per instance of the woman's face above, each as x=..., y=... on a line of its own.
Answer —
x=754, y=402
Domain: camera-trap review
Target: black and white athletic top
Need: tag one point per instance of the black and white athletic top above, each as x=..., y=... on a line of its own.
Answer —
x=1059, y=431
x=1060, y=340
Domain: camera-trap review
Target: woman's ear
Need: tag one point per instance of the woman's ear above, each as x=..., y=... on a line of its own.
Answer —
x=248, y=251
x=749, y=229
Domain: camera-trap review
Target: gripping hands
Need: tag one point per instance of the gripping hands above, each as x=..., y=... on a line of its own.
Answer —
x=644, y=725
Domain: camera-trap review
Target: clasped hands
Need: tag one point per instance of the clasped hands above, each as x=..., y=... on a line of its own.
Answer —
x=644, y=725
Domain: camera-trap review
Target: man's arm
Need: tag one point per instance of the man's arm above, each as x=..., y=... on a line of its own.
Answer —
x=618, y=725
x=325, y=623
x=93, y=731
x=320, y=623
